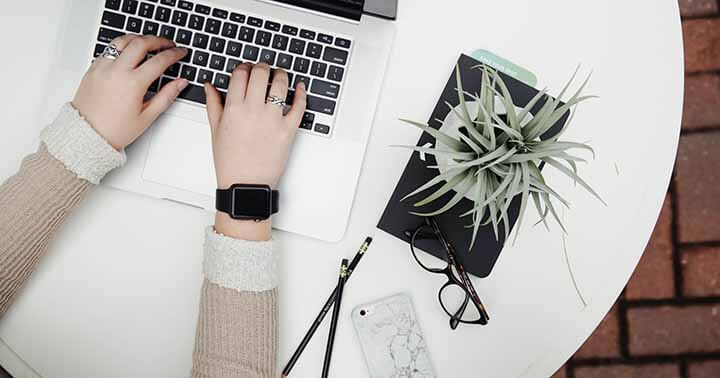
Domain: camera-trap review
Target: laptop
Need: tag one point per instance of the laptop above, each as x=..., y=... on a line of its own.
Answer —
x=336, y=47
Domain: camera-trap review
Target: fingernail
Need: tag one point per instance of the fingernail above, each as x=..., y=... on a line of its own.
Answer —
x=182, y=85
x=301, y=85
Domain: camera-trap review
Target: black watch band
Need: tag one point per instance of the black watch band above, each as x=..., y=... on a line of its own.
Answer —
x=248, y=202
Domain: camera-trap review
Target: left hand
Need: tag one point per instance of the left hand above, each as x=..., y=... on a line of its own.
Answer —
x=111, y=96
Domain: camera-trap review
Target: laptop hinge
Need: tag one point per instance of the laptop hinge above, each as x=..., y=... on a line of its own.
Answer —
x=348, y=9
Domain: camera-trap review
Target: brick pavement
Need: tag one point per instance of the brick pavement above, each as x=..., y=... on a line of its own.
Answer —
x=666, y=324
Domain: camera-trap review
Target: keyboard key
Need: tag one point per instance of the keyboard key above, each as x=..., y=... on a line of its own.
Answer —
x=219, y=13
x=297, y=46
x=186, y=58
x=130, y=6
x=321, y=105
x=237, y=17
x=336, y=73
x=112, y=4
x=273, y=26
x=188, y=72
x=167, y=32
x=213, y=26
x=134, y=25
x=115, y=20
x=184, y=37
x=344, y=43
x=196, y=22
x=324, y=38
x=289, y=30
x=290, y=80
x=186, y=5
x=217, y=62
x=201, y=40
x=194, y=93
x=164, y=14
x=268, y=56
x=251, y=53
x=107, y=35
x=263, y=38
x=217, y=45
x=98, y=50
x=280, y=42
x=164, y=81
x=325, y=88
x=179, y=18
x=168, y=2
x=301, y=79
x=246, y=34
x=146, y=10
x=254, y=21
x=307, y=34
x=285, y=61
x=205, y=76
x=230, y=30
x=222, y=81
x=309, y=117
x=151, y=28
x=322, y=129
x=301, y=65
x=155, y=86
x=307, y=125
x=232, y=64
x=173, y=70
x=201, y=58
x=202, y=9
x=334, y=55
x=234, y=49
x=318, y=69
x=314, y=50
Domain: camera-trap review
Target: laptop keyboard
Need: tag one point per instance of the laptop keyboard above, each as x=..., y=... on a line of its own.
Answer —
x=221, y=39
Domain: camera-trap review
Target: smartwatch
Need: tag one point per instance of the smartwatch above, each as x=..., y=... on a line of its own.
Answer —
x=248, y=202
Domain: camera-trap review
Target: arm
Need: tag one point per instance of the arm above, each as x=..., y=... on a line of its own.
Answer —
x=237, y=325
x=74, y=155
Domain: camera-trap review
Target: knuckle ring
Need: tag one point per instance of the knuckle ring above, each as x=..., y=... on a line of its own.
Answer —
x=111, y=52
x=275, y=100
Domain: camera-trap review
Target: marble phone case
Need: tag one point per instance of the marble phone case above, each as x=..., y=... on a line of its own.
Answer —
x=391, y=340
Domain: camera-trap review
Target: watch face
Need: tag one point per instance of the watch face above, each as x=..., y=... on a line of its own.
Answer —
x=252, y=202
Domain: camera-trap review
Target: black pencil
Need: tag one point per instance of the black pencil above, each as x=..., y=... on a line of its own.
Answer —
x=336, y=314
x=325, y=309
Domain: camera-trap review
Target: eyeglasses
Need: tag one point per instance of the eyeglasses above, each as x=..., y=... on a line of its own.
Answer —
x=457, y=297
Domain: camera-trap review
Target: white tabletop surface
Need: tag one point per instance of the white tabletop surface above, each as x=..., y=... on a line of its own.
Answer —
x=117, y=295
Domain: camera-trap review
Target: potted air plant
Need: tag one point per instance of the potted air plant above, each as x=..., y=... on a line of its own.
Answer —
x=490, y=151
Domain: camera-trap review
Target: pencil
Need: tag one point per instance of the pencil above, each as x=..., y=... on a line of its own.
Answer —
x=325, y=309
x=335, y=315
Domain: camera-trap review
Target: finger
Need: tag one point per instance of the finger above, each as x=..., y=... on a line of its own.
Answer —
x=214, y=107
x=163, y=99
x=121, y=43
x=295, y=116
x=257, y=86
x=239, y=83
x=279, y=86
x=138, y=49
x=155, y=66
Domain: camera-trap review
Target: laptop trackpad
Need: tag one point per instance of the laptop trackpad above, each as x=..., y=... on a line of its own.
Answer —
x=180, y=156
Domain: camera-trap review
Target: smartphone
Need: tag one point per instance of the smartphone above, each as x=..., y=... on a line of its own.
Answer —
x=391, y=339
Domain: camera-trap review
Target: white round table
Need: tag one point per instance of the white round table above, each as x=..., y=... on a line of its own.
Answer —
x=117, y=295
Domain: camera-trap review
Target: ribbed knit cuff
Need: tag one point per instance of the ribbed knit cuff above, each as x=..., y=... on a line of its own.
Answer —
x=79, y=147
x=239, y=264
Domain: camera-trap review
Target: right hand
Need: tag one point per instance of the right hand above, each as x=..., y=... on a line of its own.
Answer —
x=251, y=139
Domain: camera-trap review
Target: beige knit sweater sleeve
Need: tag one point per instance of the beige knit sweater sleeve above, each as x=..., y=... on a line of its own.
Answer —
x=237, y=323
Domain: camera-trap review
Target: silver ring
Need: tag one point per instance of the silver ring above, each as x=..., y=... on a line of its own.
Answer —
x=111, y=52
x=275, y=100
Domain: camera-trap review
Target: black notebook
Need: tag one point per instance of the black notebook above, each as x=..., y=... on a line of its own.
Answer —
x=396, y=218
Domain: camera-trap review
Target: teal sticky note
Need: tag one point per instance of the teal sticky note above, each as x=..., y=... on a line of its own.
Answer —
x=505, y=66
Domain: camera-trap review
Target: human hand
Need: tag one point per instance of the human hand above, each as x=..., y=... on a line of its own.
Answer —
x=251, y=139
x=111, y=96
